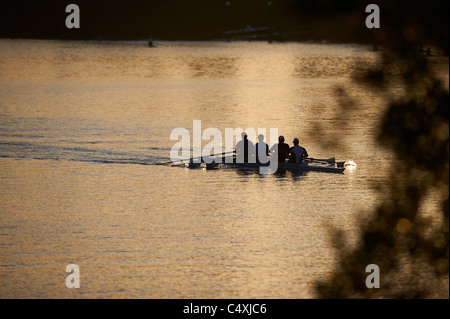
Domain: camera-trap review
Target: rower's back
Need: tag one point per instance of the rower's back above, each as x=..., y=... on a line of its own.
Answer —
x=297, y=152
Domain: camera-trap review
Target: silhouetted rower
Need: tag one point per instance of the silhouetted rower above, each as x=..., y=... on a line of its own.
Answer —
x=262, y=147
x=281, y=150
x=297, y=153
x=244, y=150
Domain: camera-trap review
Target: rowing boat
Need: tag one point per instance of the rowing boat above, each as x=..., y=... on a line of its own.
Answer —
x=293, y=167
x=298, y=167
x=310, y=164
x=303, y=167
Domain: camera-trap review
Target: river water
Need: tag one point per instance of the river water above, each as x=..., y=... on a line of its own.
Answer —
x=82, y=125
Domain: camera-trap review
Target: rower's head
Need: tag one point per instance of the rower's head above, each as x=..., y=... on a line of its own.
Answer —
x=244, y=135
x=295, y=141
x=281, y=139
x=260, y=137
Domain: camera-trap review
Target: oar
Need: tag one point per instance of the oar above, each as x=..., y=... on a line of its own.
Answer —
x=222, y=155
x=192, y=159
x=329, y=161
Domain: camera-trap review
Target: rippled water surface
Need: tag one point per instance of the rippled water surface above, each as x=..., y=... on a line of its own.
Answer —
x=83, y=123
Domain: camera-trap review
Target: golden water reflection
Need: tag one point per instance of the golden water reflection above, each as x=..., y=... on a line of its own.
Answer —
x=82, y=121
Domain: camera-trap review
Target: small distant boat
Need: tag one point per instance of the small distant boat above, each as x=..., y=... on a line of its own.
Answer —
x=150, y=43
x=248, y=30
x=250, y=33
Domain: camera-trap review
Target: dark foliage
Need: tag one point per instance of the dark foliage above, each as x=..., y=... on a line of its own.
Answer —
x=412, y=253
